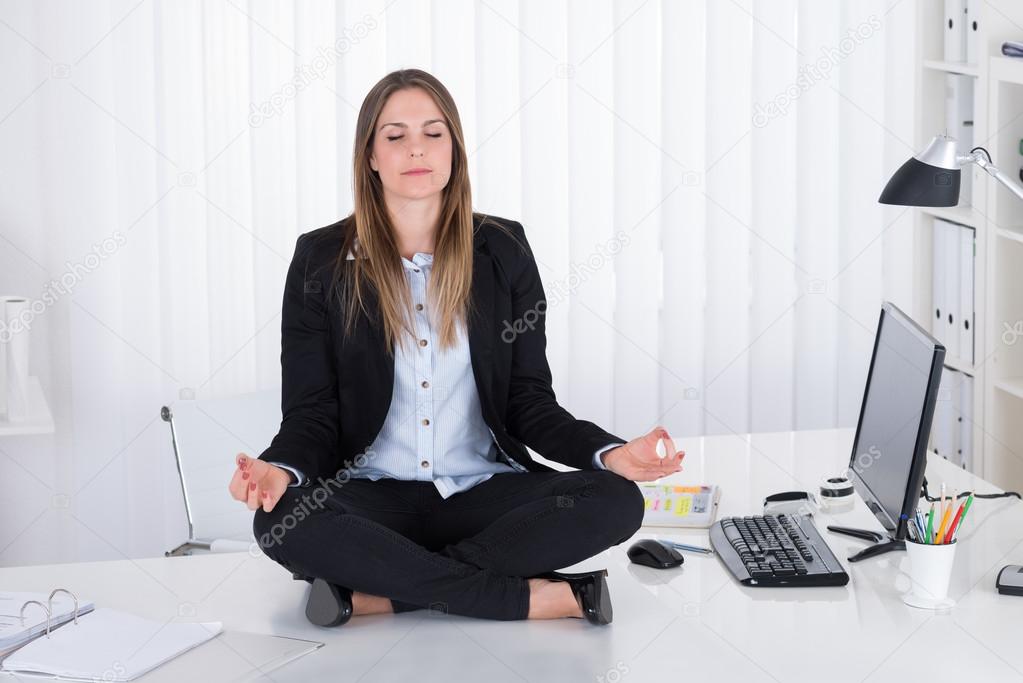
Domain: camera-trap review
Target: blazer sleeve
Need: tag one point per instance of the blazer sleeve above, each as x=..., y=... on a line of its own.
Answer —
x=534, y=416
x=310, y=426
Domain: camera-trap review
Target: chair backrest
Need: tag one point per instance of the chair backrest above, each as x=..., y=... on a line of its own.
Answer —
x=210, y=434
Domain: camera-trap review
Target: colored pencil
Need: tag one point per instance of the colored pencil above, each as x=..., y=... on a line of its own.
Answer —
x=944, y=526
x=930, y=525
x=955, y=522
x=966, y=508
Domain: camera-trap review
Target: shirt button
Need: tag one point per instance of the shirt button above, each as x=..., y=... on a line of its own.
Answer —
x=425, y=384
x=416, y=269
x=425, y=463
x=426, y=421
x=422, y=342
x=419, y=307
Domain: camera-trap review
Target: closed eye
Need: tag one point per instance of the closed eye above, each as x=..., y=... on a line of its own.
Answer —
x=392, y=138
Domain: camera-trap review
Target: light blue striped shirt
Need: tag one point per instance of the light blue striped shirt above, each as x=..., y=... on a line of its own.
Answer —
x=434, y=429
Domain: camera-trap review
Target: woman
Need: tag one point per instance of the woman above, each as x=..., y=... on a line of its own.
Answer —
x=414, y=375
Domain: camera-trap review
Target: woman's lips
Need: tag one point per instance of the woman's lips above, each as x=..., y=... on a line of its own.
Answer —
x=422, y=171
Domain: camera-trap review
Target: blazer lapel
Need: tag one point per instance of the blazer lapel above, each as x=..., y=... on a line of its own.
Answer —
x=481, y=325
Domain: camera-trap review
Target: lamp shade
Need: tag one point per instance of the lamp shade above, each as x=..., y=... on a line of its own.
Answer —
x=929, y=179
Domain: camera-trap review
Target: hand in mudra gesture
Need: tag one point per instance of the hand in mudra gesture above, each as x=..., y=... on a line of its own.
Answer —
x=638, y=460
x=258, y=483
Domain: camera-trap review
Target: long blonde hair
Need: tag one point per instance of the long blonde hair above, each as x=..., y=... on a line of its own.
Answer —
x=377, y=263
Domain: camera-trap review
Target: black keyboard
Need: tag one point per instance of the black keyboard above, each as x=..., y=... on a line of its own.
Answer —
x=776, y=550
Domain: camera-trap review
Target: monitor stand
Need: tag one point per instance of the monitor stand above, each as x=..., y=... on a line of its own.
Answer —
x=880, y=546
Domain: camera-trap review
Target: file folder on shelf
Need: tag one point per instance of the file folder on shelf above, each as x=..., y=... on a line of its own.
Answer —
x=959, y=125
x=972, y=29
x=967, y=311
x=953, y=287
x=966, y=423
x=943, y=430
x=955, y=30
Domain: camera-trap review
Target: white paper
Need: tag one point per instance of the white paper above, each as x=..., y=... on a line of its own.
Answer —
x=109, y=645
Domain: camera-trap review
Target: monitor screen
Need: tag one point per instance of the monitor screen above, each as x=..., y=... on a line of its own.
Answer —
x=890, y=448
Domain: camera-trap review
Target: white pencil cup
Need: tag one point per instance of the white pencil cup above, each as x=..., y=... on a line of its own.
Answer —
x=930, y=571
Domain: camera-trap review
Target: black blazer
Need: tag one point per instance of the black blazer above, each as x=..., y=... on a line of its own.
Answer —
x=336, y=392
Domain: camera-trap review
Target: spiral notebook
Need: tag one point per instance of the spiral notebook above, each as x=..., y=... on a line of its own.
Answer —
x=111, y=645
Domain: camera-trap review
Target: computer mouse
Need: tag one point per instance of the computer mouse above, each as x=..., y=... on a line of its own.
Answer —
x=650, y=552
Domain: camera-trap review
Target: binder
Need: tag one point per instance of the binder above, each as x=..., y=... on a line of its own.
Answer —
x=967, y=312
x=89, y=649
x=955, y=419
x=972, y=29
x=966, y=423
x=946, y=281
x=945, y=441
x=24, y=616
x=959, y=125
x=110, y=645
x=938, y=308
x=955, y=30
x=951, y=232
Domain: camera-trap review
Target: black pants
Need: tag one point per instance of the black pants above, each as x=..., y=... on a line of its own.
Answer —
x=467, y=555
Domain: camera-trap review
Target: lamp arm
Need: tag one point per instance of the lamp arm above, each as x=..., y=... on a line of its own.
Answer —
x=992, y=170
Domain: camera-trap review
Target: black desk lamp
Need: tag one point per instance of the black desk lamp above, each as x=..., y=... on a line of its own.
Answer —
x=931, y=178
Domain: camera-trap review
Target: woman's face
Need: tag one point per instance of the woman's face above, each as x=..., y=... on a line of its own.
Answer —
x=411, y=134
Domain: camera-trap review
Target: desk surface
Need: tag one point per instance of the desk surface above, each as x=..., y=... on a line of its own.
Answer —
x=693, y=620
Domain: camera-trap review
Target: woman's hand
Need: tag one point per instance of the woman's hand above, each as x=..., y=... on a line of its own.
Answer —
x=256, y=482
x=638, y=460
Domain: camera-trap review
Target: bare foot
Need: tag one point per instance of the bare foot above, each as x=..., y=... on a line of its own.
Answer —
x=552, y=600
x=364, y=603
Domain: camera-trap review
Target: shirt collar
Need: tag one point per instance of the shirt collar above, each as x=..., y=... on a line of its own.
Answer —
x=418, y=260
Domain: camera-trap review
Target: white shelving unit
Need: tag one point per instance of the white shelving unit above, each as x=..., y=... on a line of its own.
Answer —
x=39, y=420
x=994, y=213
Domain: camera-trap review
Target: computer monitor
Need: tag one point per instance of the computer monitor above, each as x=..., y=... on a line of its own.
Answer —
x=889, y=452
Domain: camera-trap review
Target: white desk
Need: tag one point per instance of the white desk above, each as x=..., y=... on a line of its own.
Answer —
x=691, y=623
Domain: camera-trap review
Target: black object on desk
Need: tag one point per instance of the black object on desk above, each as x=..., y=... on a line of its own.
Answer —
x=776, y=550
x=1010, y=580
x=652, y=553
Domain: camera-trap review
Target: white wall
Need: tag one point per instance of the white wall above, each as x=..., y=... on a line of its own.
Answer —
x=744, y=296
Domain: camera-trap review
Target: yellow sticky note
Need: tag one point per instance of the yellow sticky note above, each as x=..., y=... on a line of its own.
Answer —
x=684, y=506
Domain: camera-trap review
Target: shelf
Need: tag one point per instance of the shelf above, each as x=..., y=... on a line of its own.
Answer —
x=957, y=214
x=952, y=67
x=39, y=421
x=1011, y=385
x=1009, y=234
x=1007, y=69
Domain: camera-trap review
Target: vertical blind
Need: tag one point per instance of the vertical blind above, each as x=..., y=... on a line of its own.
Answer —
x=697, y=178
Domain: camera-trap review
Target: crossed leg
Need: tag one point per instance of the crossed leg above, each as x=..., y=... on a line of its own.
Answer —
x=469, y=554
